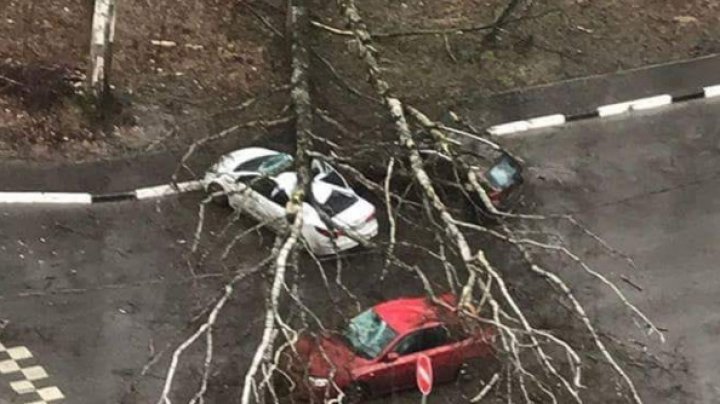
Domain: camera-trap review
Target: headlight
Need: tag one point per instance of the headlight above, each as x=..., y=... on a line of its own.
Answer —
x=318, y=381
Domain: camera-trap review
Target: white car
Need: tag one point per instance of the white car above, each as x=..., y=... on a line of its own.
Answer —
x=260, y=182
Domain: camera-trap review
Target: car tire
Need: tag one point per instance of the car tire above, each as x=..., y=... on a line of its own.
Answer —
x=356, y=393
x=468, y=372
x=220, y=200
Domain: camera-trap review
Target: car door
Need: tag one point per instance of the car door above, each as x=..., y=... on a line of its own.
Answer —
x=242, y=197
x=432, y=341
x=268, y=201
x=276, y=206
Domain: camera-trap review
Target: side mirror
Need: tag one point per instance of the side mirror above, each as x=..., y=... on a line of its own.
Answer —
x=391, y=357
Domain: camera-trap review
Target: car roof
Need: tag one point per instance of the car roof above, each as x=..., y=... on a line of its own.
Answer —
x=231, y=160
x=407, y=314
x=287, y=181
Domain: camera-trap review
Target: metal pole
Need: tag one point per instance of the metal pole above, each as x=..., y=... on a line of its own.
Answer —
x=424, y=399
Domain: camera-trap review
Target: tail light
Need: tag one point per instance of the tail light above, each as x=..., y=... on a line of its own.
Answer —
x=329, y=234
x=370, y=218
x=495, y=197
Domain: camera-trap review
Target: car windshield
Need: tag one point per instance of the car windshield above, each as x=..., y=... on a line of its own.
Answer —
x=338, y=202
x=368, y=334
x=276, y=164
x=502, y=175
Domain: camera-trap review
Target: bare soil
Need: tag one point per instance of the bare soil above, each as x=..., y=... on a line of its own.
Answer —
x=222, y=53
x=218, y=55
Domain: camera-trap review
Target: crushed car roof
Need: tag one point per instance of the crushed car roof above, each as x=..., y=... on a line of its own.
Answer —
x=407, y=314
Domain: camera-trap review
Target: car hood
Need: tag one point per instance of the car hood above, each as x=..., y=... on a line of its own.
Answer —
x=327, y=353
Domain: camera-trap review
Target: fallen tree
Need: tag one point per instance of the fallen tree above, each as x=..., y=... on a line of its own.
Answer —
x=546, y=366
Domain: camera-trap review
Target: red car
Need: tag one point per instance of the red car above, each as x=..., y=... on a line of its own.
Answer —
x=378, y=350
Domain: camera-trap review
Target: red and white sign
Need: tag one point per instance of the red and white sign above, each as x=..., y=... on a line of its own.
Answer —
x=424, y=374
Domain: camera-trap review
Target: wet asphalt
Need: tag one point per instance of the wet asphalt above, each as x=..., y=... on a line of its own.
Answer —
x=96, y=292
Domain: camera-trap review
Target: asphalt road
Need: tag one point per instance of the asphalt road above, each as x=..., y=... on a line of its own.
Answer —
x=94, y=292
x=649, y=184
x=584, y=94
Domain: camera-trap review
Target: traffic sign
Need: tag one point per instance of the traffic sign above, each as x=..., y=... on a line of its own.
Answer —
x=424, y=374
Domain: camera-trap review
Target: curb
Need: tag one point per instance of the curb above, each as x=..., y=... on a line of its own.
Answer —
x=602, y=111
x=85, y=198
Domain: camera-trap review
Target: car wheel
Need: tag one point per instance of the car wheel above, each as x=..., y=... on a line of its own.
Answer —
x=356, y=393
x=468, y=372
x=221, y=200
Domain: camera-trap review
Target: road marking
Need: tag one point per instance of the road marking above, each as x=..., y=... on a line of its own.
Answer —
x=19, y=353
x=51, y=393
x=170, y=189
x=9, y=366
x=712, y=91
x=45, y=197
x=30, y=374
x=35, y=373
x=510, y=127
x=84, y=198
x=22, y=387
x=546, y=121
x=602, y=111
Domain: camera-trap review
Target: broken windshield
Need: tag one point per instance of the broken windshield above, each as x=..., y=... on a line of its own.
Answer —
x=368, y=334
x=276, y=164
x=502, y=175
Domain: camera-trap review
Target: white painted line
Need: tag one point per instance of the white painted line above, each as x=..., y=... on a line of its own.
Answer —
x=30, y=374
x=189, y=186
x=635, y=105
x=19, y=353
x=651, y=102
x=34, y=373
x=510, y=127
x=546, y=121
x=9, y=366
x=155, y=192
x=712, y=91
x=613, y=109
x=164, y=190
x=22, y=387
x=45, y=197
x=50, y=394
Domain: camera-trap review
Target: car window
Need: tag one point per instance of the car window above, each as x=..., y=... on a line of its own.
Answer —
x=423, y=340
x=368, y=334
x=252, y=165
x=503, y=174
x=276, y=164
x=338, y=202
x=327, y=173
x=264, y=186
x=279, y=196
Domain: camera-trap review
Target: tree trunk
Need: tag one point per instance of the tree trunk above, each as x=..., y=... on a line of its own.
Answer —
x=103, y=32
x=298, y=24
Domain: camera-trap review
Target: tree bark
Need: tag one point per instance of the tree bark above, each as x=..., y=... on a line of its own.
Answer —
x=102, y=35
x=298, y=26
